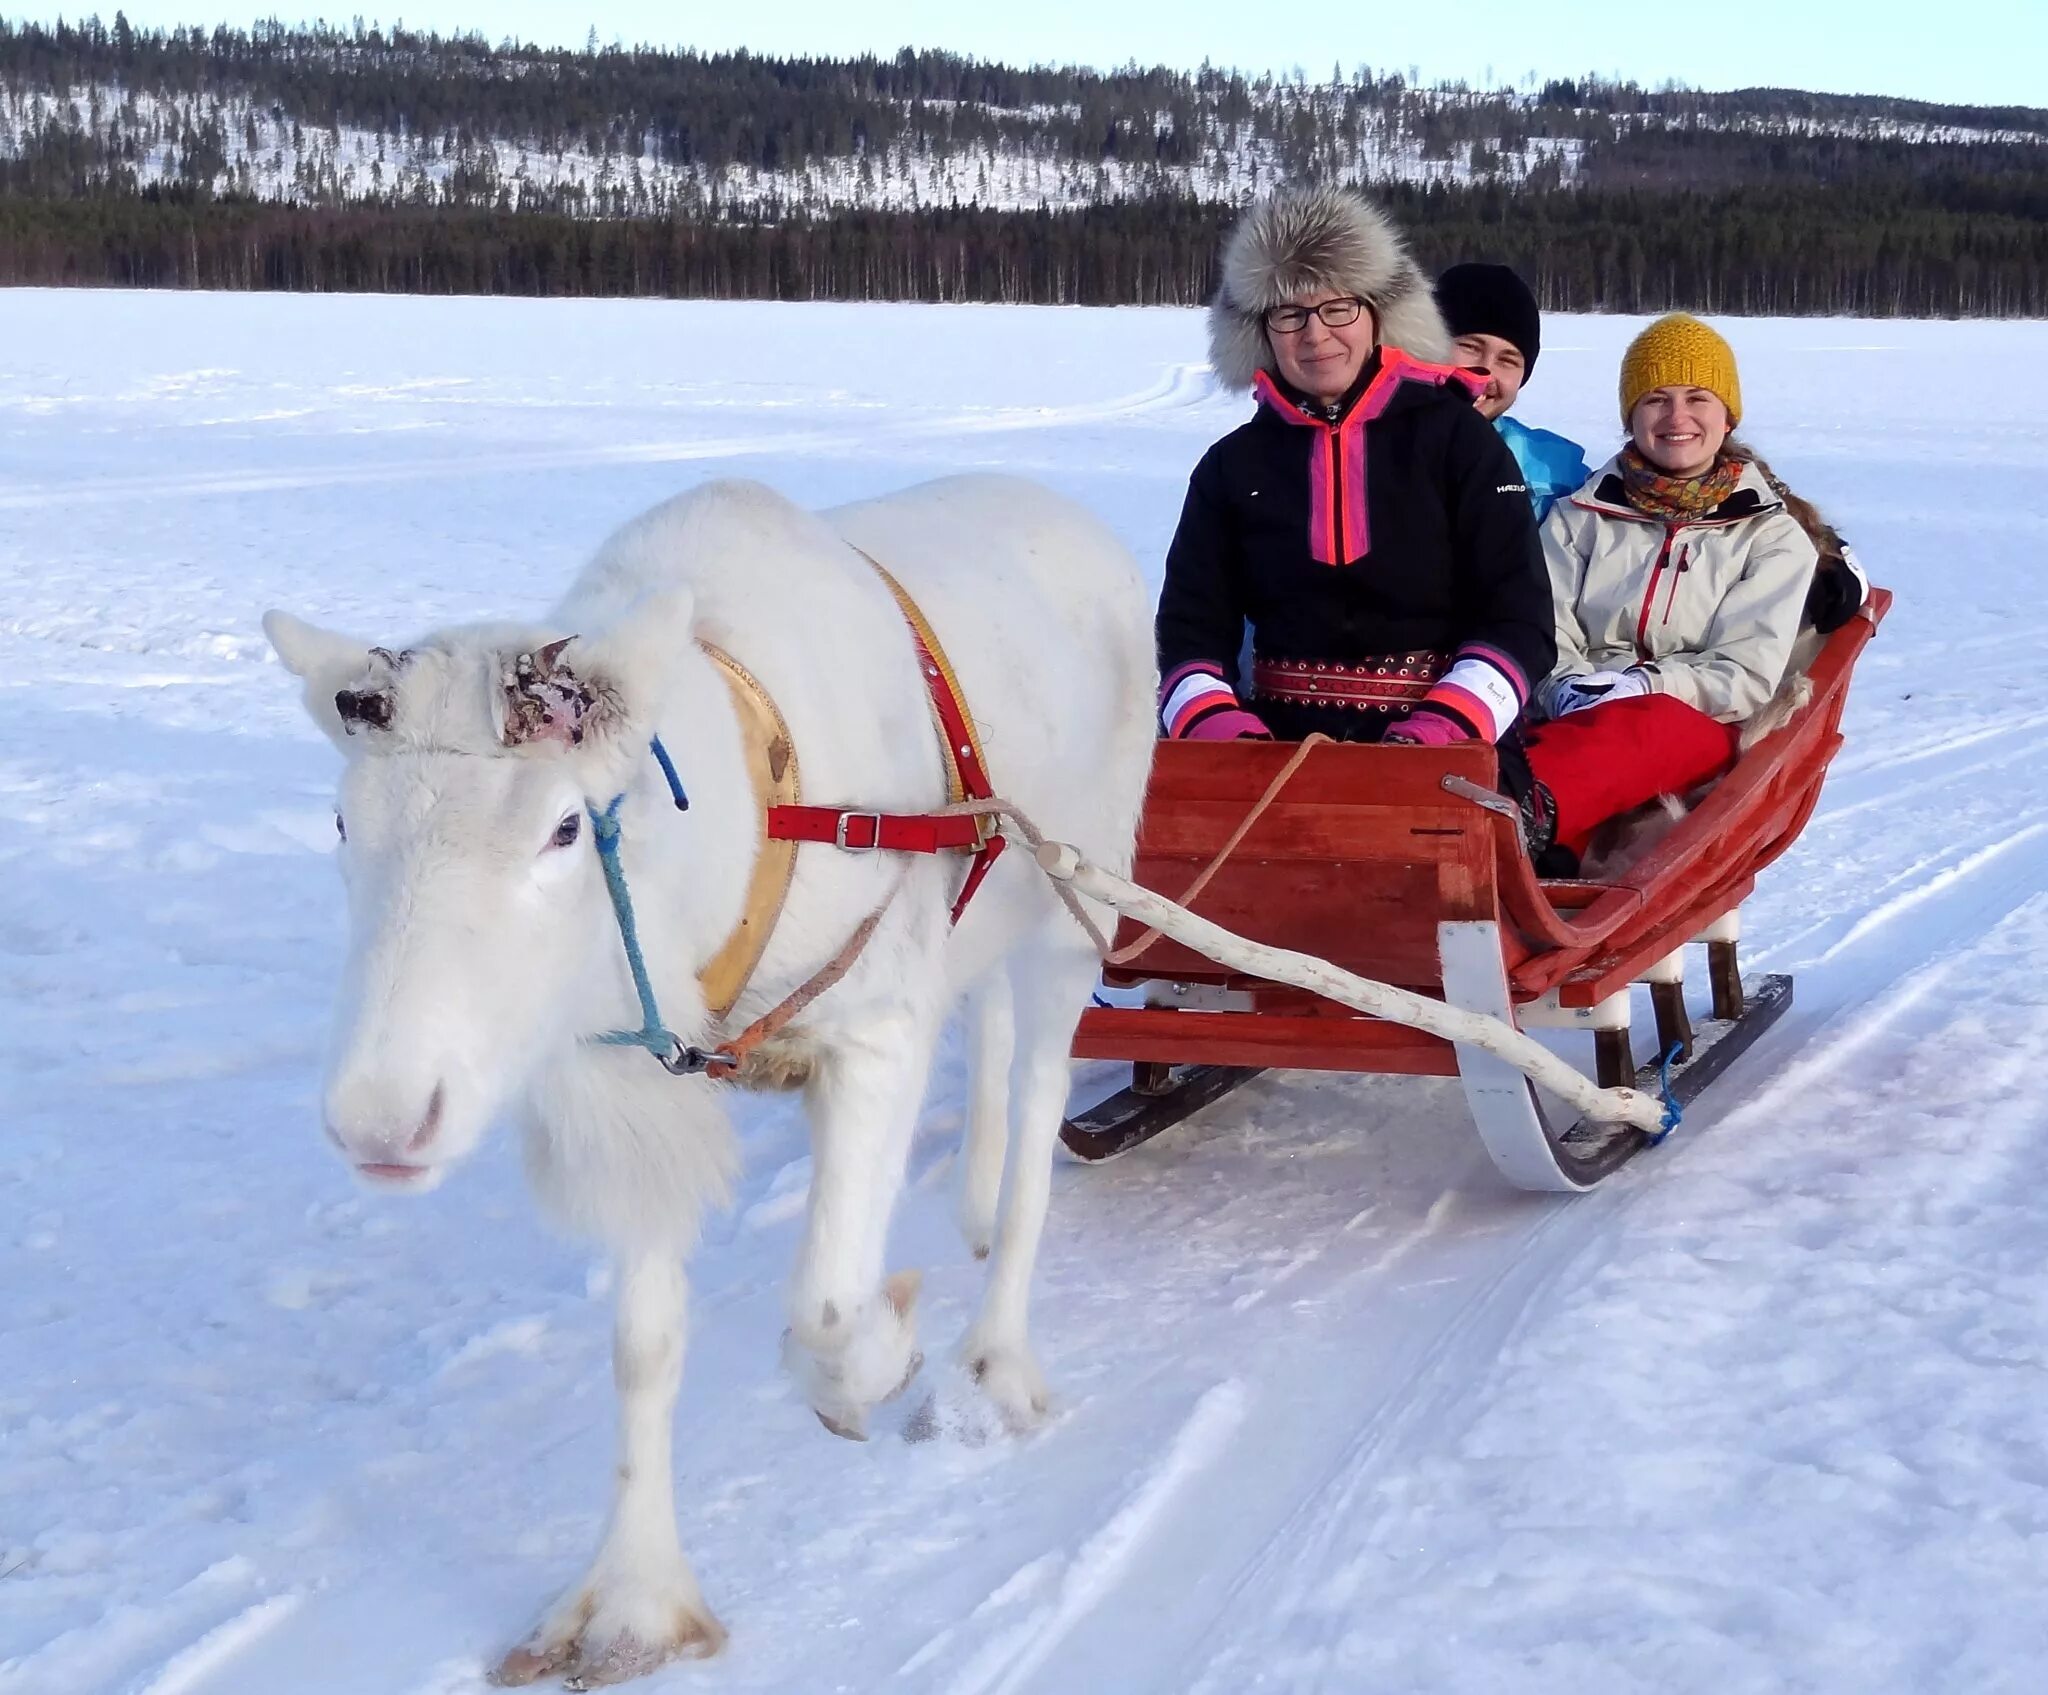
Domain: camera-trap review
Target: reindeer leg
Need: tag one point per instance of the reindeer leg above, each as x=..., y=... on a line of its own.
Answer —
x=638, y=1606
x=991, y=1034
x=1049, y=987
x=852, y=1340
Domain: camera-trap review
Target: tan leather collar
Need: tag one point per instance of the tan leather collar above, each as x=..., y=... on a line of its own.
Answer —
x=772, y=771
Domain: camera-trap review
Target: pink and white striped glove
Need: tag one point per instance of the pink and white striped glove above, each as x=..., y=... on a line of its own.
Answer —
x=1234, y=724
x=1427, y=729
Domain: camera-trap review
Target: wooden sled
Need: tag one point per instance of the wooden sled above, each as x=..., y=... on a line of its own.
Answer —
x=1403, y=865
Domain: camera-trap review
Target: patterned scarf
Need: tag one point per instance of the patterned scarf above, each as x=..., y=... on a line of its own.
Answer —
x=1662, y=495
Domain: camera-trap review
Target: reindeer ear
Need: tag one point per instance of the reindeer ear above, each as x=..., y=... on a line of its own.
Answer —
x=628, y=667
x=335, y=668
x=308, y=651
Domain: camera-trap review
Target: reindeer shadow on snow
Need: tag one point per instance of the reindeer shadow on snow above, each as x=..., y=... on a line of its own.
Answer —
x=497, y=775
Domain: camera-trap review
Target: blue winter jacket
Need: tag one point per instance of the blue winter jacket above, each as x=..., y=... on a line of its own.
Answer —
x=1551, y=466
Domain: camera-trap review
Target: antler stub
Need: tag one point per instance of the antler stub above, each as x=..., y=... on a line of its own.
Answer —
x=544, y=699
x=372, y=706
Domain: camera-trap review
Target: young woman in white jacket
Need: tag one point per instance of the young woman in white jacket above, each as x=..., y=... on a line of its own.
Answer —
x=1680, y=577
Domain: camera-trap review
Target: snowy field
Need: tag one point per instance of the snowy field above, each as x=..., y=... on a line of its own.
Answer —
x=1767, y=1413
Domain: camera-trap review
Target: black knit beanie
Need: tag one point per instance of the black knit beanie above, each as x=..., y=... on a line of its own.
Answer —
x=1492, y=300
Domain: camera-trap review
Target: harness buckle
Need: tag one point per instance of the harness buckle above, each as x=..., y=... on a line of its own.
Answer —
x=685, y=1061
x=839, y=832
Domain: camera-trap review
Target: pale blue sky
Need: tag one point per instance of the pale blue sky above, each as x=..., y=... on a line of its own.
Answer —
x=1987, y=51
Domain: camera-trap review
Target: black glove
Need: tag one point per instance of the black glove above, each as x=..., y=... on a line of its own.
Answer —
x=1838, y=592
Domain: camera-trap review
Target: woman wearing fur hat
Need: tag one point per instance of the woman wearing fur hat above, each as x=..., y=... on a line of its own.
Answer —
x=1366, y=523
x=1681, y=572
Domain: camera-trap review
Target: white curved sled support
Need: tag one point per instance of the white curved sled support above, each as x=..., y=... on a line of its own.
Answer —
x=1491, y=1051
x=1504, y=1107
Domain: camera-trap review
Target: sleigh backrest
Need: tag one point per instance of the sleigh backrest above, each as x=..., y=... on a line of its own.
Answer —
x=1357, y=861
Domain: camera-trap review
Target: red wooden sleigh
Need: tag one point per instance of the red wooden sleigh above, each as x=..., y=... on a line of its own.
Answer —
x=1403, y=865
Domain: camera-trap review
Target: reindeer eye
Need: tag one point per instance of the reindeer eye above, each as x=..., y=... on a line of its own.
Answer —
x=567, y=831
x=340, y=829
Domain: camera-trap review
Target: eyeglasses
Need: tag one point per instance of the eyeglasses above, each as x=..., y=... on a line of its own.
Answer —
x=1289, y=320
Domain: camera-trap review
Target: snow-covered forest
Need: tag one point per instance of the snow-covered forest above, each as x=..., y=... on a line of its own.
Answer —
x=313, y=158
x=316, y=117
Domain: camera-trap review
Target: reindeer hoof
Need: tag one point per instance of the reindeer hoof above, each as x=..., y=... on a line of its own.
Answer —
x=851, y=1425
x=1013, y=1384
x=526, y=1665
x=590, y=1644
x=847, y=1364
x=852, y=1422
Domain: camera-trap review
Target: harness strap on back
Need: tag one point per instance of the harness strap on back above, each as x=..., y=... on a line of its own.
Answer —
x=966, y=776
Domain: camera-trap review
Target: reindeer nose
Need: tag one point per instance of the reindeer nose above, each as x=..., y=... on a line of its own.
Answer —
x=375, y=1143
x=430, y=1125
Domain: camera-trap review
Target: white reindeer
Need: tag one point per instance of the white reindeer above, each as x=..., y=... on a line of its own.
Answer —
x=484, y=953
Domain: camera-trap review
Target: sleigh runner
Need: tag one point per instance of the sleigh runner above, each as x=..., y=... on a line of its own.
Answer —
x=1402, y=866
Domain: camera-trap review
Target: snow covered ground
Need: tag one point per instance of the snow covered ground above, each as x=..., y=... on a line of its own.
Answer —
x=1337, y=1412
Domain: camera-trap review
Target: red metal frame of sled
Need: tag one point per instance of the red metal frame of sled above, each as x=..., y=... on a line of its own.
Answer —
x=1365, y=856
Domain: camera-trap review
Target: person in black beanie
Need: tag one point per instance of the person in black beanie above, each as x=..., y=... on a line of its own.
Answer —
x=1497, y=333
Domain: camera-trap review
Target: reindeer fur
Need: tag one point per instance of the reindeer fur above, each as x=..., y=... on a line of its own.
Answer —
x=483, y=951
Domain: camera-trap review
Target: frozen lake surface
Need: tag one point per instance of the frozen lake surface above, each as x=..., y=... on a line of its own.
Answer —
x=1336, y=1411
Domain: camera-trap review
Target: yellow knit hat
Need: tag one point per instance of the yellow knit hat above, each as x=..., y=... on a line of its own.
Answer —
x=1679, y=349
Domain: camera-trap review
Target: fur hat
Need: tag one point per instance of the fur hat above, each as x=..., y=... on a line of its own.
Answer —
x=1304, y=241
x=1680, y=350
x=1492, y=300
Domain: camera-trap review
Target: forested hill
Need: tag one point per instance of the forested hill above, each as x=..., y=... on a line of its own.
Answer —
x=318, y=158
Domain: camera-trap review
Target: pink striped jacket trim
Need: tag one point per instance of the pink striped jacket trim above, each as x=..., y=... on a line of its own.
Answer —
x=1339, y=519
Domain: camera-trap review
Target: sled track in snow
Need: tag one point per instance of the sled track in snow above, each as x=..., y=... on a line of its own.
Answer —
x=1893, y=955
x=1863, y=789
x=1414, y=1411
x=1453, y=1292
x=1454, y=1297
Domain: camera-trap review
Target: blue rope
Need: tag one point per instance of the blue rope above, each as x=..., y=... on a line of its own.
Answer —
x=668, y=770
x=652, y=1035
x=1674, y=1114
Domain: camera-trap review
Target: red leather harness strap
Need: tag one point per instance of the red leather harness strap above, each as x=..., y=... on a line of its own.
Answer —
x=991, y=851
x=864, y=832
x=860, y=830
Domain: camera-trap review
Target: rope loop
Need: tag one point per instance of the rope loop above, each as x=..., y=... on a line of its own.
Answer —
x=652, y=1035
x=1674, y=1114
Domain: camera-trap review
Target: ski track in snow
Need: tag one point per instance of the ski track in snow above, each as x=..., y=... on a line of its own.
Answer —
x=1335, y=1411
x=1090, y=1579
x=195, y=1667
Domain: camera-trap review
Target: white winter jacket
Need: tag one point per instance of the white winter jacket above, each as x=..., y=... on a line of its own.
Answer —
x=1708, y=608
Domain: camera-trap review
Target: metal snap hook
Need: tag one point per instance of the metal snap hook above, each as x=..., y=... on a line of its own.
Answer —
x=685, y=1061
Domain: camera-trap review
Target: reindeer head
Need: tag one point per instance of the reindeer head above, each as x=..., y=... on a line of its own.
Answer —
x=481, y=936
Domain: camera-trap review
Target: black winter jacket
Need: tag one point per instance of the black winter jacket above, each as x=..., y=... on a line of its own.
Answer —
x=1396, y=530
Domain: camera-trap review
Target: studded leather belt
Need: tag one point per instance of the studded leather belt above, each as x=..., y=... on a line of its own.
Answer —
x=1385, y=682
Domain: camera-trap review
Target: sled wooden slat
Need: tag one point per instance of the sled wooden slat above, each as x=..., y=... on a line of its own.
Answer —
x=1264, y=1041
x=1388, y=913
x=1366, y=861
